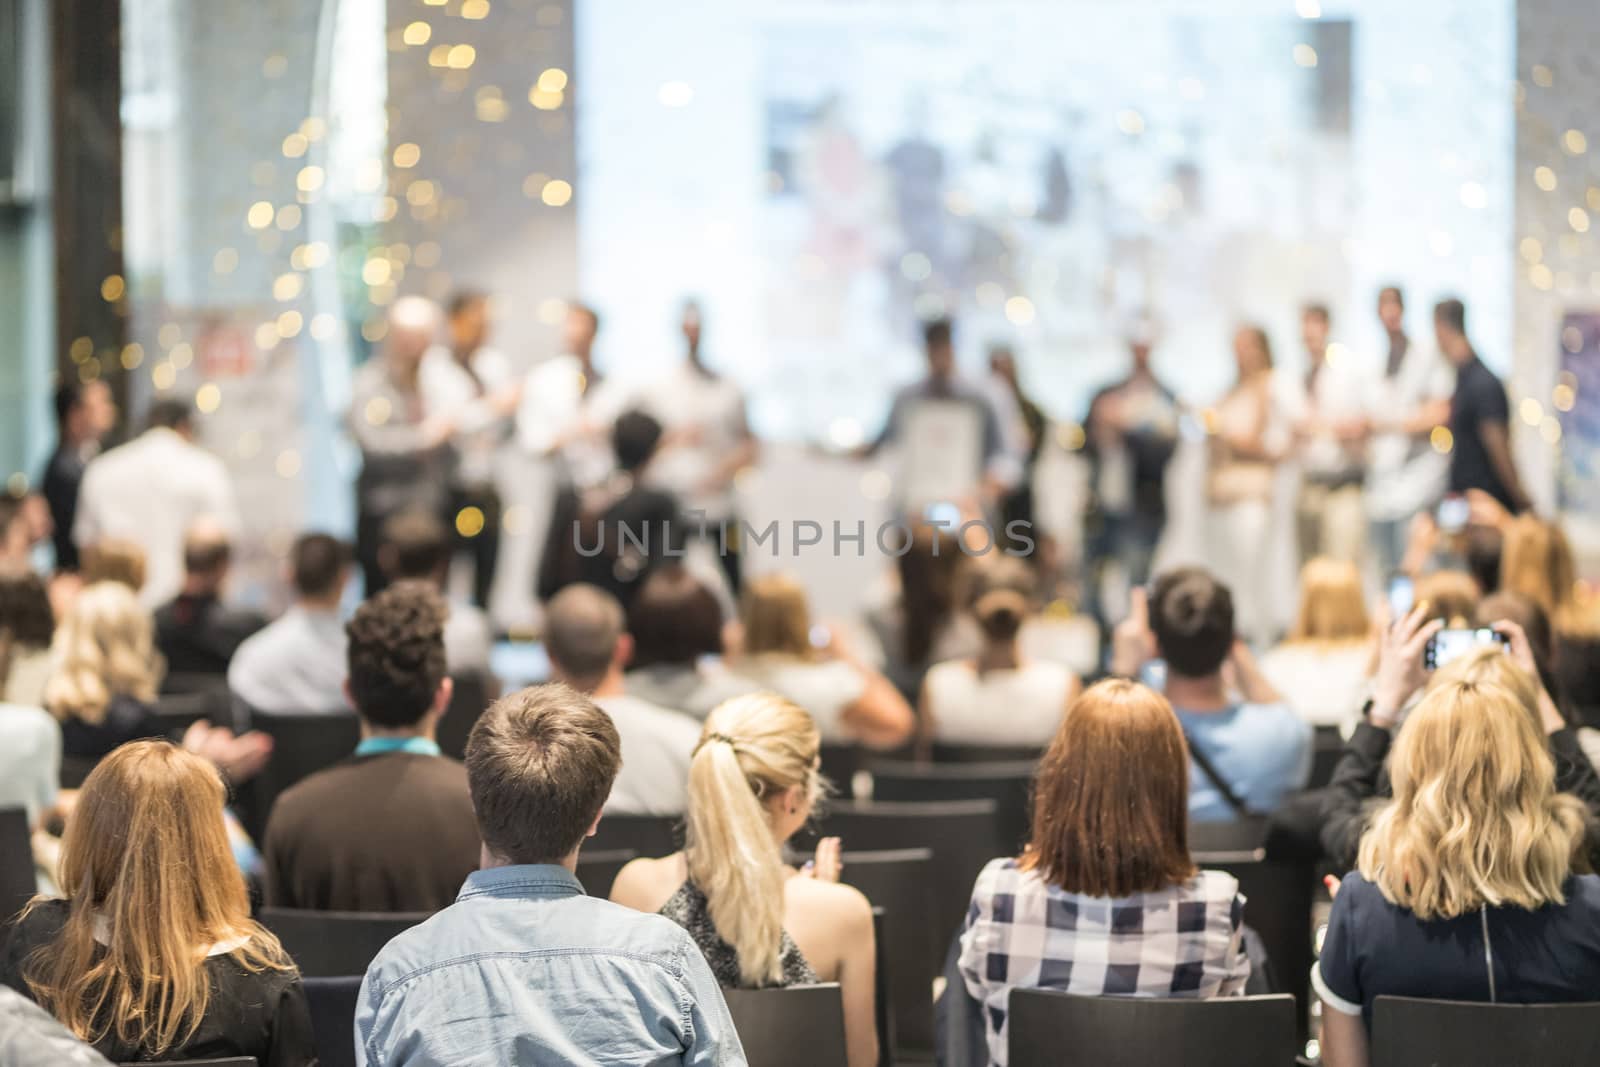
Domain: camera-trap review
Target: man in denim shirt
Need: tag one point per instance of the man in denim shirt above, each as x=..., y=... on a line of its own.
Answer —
x=524, y=968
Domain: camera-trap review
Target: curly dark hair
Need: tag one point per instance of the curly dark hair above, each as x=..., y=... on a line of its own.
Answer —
x=396, y=654
x=25, y=616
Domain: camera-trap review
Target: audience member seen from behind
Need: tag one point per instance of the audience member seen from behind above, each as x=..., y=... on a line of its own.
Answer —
x=150, y=491
x=523, y=967
x=588, y=650
x=1362, y=773
x=1250, y=751
x=1110, y=851
x=27, y=626
x=847, y=699
x=391, y=828
x=1466, y=887
x=1537, y=562
x=1321, y=668
x=106, y=672
x=416, y=547
x=85, y=414
x=197, y=633
x=114, y=559
x=153, y=955
x=998, y=697
x=922, y=621
x=753, y=784
x=676, y=626
x=296, y=664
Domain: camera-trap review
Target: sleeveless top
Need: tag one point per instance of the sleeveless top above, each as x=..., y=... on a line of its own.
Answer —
x=690, y=909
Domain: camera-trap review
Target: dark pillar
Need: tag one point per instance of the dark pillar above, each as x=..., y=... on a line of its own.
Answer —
x=86, y=188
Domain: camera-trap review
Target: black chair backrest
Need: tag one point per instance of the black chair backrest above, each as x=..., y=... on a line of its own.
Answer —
x=900, y=881
x=1327, y=746
x=948, y=753
x=1009, y=785
x=882, y=1012
x=1230, y=835
x=800, y=1026
x=1408, y=1031
x=1278, y=900
x=302, y=745
x=963, y=834
x=333, y=1018
x=651, y=836
x=840, y=762
x=179, y=710
x=1054, y=1029
x=17, y=881
x=230, y=1061
x=597, y=868
x=335, y=944
x=468, y=700
x=74, y=769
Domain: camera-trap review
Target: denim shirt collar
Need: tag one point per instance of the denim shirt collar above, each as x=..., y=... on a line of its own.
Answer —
x=522, y=880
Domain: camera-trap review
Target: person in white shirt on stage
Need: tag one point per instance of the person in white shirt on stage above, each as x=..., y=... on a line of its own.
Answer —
x=405, y=453
x=471, y=382
x=568, y=407
x=1329, y=516
x=707, y=442
x=150, y=491
x=1404, y=473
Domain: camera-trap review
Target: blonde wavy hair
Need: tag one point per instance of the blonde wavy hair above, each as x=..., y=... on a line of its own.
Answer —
x=776, y=617
x=1332, y=607
x=1537, y=562
x=103, y=648
x=752, y=749
x=1475, y=820
x=146, y=857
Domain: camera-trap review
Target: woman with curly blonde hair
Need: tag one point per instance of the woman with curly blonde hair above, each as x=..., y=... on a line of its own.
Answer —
x=152, y=954
x=107, y=670
x=1467, y=886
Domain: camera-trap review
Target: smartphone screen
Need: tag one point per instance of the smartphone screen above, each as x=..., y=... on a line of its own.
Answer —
x=1447, y=645
x=1402, y=596
x=1453, y=514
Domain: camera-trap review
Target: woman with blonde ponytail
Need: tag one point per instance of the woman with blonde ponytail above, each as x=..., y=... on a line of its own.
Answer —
x=753, y=781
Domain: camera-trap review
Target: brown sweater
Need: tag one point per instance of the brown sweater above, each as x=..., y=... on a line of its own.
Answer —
x=388, y=832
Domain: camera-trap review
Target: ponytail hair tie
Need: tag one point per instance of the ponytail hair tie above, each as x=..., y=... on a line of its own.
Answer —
x=715, y=736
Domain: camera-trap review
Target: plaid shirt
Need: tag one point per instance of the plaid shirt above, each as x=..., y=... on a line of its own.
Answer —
x=1182, y=941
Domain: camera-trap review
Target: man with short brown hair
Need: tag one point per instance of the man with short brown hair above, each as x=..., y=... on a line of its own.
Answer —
x=524, y=967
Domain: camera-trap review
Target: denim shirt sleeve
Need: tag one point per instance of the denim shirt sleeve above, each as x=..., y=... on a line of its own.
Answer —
x=366, y=1018
x=713, y=1042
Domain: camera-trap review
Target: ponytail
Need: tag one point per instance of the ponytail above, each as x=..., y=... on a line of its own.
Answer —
x=752, y=748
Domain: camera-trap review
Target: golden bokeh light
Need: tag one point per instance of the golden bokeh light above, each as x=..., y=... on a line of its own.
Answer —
x=421, y=192
x=80, y=349
x=534, y=184
x=225, y=260
x=289, y=323
x=556, y=193
x=182, y=355
x=1543, y=77
x=545, y=100
x=461, y=57
x=260, y=215
x=385, y=209
x=208, y=398
x=1531, y=410
x=1578, y=219
x=474, y=9
x=376, y=271
x=1442, y=440
x=1563, y=397
x=163, y=375
x=1305, y=55
x=469, y=521
x=406, y=155
x=552, y=80
x=112, y=288
x=439, y=55
x=1550, y=430
x=1575, y=142
x=374, y=330
x=287, y=286
x=377, y=411
x=1541, y=277
x=288, y=217
x=1544, y=178
x=1019, y=311
x=294, y=146
x=1531, y=249
x=310, y=179
x=132, y=356
x=417, y=33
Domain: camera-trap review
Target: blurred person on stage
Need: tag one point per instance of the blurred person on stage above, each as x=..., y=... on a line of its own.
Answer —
x=706, y=442
x=1480, y=417
x=471, y=382
x=568, y=407
x=85, y=414
x=1404, y=471
x=405, y=453
x=1330, y=518
x=1130, y=434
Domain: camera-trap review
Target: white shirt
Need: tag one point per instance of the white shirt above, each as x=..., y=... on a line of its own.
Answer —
x=1339, y=392
x=558, y=400
x=295, y=664
x=30, y=759
x=695, y=691
x=150, y=491
x=657, y=746
x=688, y=399
x=1003, y=707
x=448, y=389
x=1322, y=682
x=1404, y=472
x=824, y=688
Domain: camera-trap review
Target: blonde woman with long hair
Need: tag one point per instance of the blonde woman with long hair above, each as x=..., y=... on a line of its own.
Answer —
x=1537, y=562
x=1321, y=668
x=753, y=782
x=1467, y=885
x=152, y=954
x=107, y=670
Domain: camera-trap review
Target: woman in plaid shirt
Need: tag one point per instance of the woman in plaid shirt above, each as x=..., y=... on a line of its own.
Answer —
x=1105, y=899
